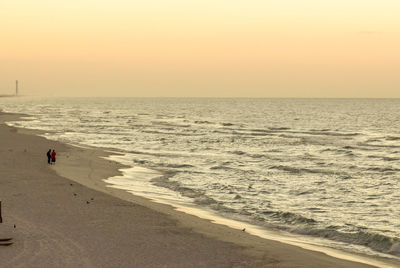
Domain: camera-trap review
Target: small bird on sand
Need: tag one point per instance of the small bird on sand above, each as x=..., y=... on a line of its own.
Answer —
x=87, y=202
x=74, y=194
x=244, y=230
x=15, y=226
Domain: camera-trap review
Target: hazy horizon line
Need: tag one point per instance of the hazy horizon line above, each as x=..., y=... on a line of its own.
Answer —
x=183, y=97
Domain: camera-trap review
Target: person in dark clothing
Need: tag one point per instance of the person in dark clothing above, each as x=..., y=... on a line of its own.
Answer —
x=53, y=157
x=49, y=156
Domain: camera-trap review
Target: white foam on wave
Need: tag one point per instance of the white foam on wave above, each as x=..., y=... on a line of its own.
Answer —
x=137, y=180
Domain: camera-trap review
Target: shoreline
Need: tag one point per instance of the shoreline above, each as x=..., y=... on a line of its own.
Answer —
x=187, y=207
x=88, y=169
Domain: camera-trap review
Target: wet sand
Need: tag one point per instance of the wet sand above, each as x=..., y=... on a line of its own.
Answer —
x=65, y=216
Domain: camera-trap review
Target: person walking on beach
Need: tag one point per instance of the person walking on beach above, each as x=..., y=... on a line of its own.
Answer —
x=53, y=157
x=49, y=156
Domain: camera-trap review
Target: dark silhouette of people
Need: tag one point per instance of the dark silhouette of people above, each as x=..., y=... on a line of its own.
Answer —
x=49, y=156
x=53, y=157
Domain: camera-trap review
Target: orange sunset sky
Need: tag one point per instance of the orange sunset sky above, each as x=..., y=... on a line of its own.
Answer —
x=190, y=48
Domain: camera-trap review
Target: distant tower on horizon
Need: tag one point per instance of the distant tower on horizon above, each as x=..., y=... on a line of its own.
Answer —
x=16, y=88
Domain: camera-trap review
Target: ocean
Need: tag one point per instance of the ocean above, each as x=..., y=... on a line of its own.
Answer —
x=320, y=168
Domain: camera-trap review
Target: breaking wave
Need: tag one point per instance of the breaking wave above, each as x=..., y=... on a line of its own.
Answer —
x=375, y=241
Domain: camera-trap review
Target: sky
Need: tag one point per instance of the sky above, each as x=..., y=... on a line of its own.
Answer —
x=201, y=48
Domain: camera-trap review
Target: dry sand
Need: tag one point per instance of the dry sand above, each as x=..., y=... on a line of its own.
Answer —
x=65, y=216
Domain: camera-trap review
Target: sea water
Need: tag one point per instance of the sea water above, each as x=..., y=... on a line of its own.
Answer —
x=326, y=168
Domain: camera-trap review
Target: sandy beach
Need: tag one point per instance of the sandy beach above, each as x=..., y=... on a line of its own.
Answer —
x=66, y=216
